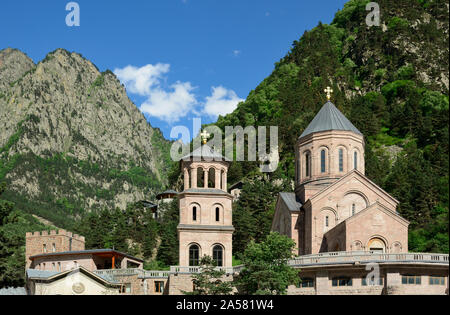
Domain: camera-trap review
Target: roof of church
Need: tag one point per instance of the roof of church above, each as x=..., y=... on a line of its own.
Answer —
x=205, y=152
x=291, y=201
x=86, y=252
x=40, y=274
x=45, y=274
x=329, y=118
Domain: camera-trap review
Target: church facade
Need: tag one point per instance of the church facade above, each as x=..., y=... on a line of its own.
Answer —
x=349, y=236
x=335, y=207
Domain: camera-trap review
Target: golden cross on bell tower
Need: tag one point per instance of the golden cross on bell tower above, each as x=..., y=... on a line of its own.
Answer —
x=328, y=90
x=205, y=135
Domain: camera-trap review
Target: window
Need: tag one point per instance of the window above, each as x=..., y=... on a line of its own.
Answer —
x=371, y=281
x=355, y=160
x=194, y=214
x=126, y=288
x=307, y=165
x=341, y=160
x=434, y=280
x=201, y=178
x=306, y=283
x=44, y=248
x=327, y=221
x=59, y=266
x=408, y=279
x=159, y=286
x=322, y=161
x=342, y=282
x=75, y=263
x=212, y=178
x=217, y=214
x=53, y=266
x=353, y=209
x=194, y=254
x=54, y=247
x=218, y=255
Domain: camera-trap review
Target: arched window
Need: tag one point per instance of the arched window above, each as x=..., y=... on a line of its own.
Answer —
x=194, y=255
x=355, y=160
x=194, y=214
x=217, y=214
x=222, y=180
x=341, y=160
x=218, y=255
x=323, y=161
x=308, y=164
x=200, y=178
x=212, y=178
x=327, y=221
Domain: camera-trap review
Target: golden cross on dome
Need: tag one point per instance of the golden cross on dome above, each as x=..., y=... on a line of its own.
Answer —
x=205, y=135
x=328, y=90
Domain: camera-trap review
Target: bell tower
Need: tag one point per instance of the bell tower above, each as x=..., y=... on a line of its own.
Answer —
x=205, y=227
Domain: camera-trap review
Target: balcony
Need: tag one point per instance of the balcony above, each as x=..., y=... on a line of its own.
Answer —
x=322, y=259
x=368, y=257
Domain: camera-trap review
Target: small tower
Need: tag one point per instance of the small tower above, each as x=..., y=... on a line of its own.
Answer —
x=329, y=148
x=206, y=227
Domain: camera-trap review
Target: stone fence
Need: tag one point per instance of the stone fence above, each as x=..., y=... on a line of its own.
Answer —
x=302, y=261
x=367, y=257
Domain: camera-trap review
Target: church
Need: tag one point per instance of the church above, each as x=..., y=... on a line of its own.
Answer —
x=335, y=207
x=346, y=229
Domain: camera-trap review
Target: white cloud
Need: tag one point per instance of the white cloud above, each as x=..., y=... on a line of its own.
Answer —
x=167, y=105
x=221, y=102
x=172, y=103
x=141, y=80
x=236, y=52
x=170, y=106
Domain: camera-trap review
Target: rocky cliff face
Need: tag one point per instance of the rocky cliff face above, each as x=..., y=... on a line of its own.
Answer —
x=71, y=140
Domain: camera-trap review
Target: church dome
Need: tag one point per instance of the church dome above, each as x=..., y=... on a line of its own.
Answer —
x=329, y=118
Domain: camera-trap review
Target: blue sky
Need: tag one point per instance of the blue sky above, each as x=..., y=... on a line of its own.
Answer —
x=179, y=59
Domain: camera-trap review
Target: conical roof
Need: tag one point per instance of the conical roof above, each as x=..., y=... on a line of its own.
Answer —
x=329, y=118
x=205, y=152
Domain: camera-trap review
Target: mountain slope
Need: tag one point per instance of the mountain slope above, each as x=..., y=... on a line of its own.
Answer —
x=391, y=82
x=71, y=141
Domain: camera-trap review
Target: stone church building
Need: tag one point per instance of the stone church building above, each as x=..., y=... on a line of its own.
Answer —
x=343, y=224
x=335, y=207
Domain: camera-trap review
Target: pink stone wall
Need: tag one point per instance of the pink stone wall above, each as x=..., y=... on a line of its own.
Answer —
x=62, y=240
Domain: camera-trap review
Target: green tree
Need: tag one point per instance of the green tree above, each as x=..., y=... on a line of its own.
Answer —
x=13, y=226
x=253, y=212
x=266, y=270
x=210, y=280
x=168, y=249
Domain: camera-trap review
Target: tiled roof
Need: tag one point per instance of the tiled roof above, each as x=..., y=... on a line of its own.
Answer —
x=291, y=201
x=329, y=118
x=40, y=274
x=87, y=252
x=205, y=152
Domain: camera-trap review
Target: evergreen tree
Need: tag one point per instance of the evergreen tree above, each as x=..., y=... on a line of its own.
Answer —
x=266, y=270
x=210, y=280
